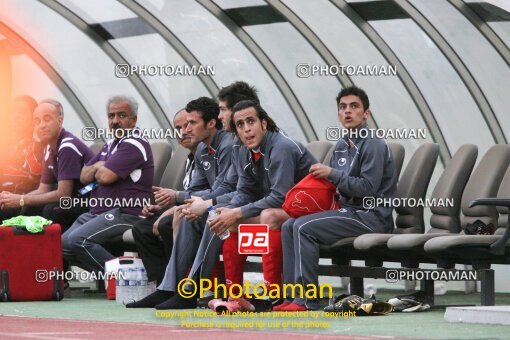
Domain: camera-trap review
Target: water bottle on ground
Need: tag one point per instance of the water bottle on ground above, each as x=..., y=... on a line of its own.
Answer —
x=120, y=289
x=144, y=291
x=130, y=286
x=137, y=291
x=151, y=287
x=212, y=216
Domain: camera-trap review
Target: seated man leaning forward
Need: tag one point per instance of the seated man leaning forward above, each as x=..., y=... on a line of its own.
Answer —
x=360, y=167
x=212, y=161
x=64, y=157
x=273, y=163
x=151, y=232
x=124, y=171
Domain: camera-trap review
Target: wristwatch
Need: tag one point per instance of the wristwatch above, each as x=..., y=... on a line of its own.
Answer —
x=22, y=201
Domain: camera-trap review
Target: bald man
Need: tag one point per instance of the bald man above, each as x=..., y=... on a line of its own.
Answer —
x=154, y=252
x=64, y=157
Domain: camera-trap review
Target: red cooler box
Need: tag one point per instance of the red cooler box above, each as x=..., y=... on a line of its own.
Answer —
x=29, y=264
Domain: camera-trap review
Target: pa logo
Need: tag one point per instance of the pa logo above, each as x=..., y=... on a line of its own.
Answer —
x=342, y=161
x=109, y=217
x=253, y=238
x=206, y=165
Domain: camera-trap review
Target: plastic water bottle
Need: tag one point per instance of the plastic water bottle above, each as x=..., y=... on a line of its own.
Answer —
x=127, y=290
x=120, y=289
x=136, y=284
x=212, y=216
x=141, y=284
x=88, y=188
x=151, y=287
x=130, y=286
x=144, y=284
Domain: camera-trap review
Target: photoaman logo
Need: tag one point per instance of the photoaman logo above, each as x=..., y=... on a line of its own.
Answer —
x=188, y=288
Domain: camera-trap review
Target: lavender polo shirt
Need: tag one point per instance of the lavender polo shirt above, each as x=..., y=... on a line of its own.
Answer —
x=68, y=160
x=130, y=159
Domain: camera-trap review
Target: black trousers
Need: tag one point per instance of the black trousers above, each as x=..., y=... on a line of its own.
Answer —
x=52, y=211
x=154, y=250
x=8, y=213
x=64, y=217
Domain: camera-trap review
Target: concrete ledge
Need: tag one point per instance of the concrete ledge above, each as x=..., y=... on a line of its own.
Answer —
x=499, y=315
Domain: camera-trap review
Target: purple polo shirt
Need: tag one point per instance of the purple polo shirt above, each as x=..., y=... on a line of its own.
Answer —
x=66, y=162
x=130, y=159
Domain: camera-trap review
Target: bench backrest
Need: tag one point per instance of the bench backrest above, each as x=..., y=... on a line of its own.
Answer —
x=449, y=188
x=483, y=183
x=175, y=170
x=413, y=184
x=320, y=149
x=503, y=192
x=398, y=153
x=161, y=153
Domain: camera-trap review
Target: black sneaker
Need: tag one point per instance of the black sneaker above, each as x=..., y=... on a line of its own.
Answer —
x=277, y=301
x=261, y=305
x=204, y=302
x=178, y=302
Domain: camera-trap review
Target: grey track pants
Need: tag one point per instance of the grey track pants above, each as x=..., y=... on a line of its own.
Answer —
x=301, y=238
x=82, y=244
x=185, y=248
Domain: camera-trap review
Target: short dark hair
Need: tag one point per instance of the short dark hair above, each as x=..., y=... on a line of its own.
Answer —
x=261, y=113
x=355, y=91
x=208, y=109
x=236, y=92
